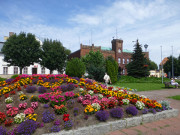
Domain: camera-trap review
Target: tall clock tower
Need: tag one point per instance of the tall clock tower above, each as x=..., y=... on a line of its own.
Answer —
x=117, y=46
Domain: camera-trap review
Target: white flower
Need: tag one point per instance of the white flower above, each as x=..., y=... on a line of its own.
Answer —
x=140, y=105
x=129, y=92
x=125, y=101
x=91, y=92
x=96, y=106
x=100, y=96
x=81, y=89
x=143, y=96
x=9, y=100
x=20, y=93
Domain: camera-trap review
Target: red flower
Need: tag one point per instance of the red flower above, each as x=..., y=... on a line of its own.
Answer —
x=6, y=95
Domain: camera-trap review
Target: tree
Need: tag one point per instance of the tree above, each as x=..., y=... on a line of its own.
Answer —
x=152, y=65
x=112, y=69
x=138, y=67
x=21, y=50
x=75, y=68
x=53, y=55
x=95, y=65
x=168, y=66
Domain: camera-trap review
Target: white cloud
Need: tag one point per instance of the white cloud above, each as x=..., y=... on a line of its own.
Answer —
x=155, y=23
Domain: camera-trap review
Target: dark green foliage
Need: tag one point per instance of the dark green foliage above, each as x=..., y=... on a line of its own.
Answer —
x=21, y=50
x=112, y=69
x=75, y=68
x=137, y=68
x=168, y=66
x=95, y=65
x=14, y=76
x=2, y=79
x=152, y=65
x=53, y=55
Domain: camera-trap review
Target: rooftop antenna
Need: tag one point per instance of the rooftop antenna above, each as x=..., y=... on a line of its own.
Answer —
x=91, y=36
x=79, y=40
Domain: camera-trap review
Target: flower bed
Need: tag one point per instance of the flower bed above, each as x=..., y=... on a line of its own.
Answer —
x=59, y=102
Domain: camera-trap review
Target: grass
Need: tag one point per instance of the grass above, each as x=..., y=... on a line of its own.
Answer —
x=177, y=97
x=142, y=86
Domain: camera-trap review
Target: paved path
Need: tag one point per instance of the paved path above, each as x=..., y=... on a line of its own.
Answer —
x=169, y=126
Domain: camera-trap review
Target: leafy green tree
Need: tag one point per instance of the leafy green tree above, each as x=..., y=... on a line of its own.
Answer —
x=53, y=55
x=112, y=69
x=138, y=67
x=75, y=68
x=152, y=65
x=21, y=50
x=95, y=65
x=168, y=66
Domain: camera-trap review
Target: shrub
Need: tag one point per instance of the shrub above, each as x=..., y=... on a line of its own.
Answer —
x=2, y=131
x=102, y=115
x=132, y=110
x=27, y=127
x=68, y=124
x=48, y=117
x=75, y=68
x=117, y=113
x=31, y=89
x=14, y=76
x=55, y=128
x=42, y=89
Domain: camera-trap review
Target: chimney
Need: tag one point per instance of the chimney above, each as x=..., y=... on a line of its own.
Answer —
x=11, y=33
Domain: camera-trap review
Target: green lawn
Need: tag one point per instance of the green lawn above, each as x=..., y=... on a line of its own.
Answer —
x=141, y=86
x=177, y=97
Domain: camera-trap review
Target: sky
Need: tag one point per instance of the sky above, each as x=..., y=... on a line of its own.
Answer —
x=152, y=22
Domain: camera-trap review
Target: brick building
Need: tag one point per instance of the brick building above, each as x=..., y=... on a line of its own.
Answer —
x=122, y=56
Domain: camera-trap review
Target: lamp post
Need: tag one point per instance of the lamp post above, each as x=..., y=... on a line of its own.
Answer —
x=145, y=46
x=161, y=66
x=172, y=64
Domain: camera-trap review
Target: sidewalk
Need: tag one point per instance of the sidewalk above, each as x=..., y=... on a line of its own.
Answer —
x=169, y=126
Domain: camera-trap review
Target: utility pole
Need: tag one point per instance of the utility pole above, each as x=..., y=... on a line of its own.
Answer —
x=161, y=66
x=172, y=64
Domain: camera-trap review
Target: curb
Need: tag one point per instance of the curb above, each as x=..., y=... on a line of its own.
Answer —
x=103, y=128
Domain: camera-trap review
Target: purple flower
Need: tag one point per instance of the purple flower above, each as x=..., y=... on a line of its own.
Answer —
x=70, y=87
x=48, y=117
x=86, y=117
x=46, y=106
x=42, y=89
x=68, y=125
x=102, y=115
x=46, y=80
x=76, y=111
x=57, y=122
x=152, y=110
x=117, y=112
x=132, y=110
x=145, y=111
x=63, y=88
x=2, y=131
x=27, y=127
x=55, y=128
x=31, y=89
x=9, y=80
x=34, y=81
x=76, y=78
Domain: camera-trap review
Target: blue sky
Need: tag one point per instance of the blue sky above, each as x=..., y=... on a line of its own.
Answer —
x=153, y=22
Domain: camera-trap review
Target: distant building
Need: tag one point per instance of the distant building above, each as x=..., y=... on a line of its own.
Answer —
x=122, y=56
x=7, y=72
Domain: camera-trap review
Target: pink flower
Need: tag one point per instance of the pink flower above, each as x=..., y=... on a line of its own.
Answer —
x=8, y=106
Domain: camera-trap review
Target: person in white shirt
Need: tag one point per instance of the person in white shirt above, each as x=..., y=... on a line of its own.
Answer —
x=107, y=78
x=174, y=83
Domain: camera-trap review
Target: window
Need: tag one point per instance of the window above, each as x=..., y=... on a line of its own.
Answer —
x=5, y=70
x=25, y=70
x=119, y=50
x=127, y=61
x=15, y=70
x=43, y=70
x=119, y=60
x=123, y=61
x=123, y=71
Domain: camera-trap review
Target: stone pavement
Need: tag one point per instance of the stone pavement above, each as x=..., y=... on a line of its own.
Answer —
x=170, y=126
